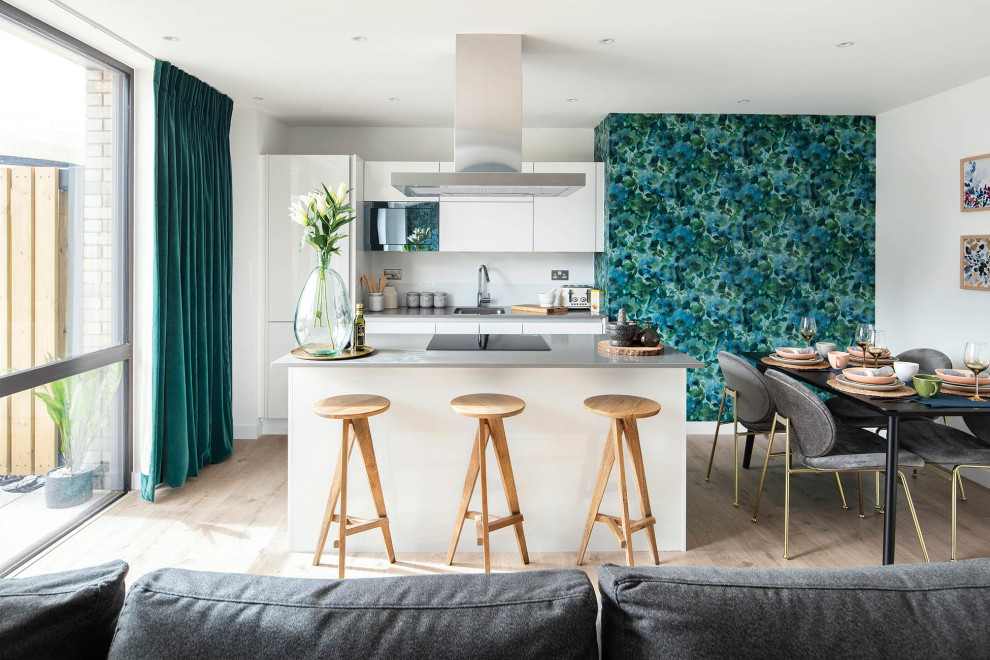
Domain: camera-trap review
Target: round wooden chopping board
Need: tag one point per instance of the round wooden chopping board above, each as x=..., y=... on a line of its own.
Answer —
x=605, y=347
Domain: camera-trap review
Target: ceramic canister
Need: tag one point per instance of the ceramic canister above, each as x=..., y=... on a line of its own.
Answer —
x=439, y=299
x=391, y=297
x=412, y=299
x=425, y=299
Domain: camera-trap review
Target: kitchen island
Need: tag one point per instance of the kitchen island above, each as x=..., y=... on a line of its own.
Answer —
x=423, y=447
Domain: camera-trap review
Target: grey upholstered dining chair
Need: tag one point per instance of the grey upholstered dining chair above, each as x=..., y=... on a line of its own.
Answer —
x=752, y=406
x=812, y=438
x=854, y=413
x=941, y=445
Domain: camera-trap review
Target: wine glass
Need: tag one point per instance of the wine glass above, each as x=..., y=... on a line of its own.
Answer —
x=977, y=357
x=876, y=348
x=808, y=329
x=864, y=336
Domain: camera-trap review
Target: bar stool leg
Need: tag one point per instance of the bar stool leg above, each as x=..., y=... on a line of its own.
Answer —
x=608, y=458
x=623, y=493
x=346, y=441
x=484, y=493
x=501, y=447
x=332, y=500
x=363, y=432
x=469, y=483
x=639, y=473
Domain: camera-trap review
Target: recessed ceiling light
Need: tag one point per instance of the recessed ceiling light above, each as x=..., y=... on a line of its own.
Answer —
x=258, y=98
x=845, y=44
x=743, y=101
x=393, y=98
x=169, y=37
x=606, y=42
x=573, y=99
x=359, y=38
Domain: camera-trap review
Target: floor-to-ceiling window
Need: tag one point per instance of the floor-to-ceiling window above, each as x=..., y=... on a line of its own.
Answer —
x=65, y=276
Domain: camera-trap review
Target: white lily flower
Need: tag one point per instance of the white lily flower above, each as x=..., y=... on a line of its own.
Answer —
x=341, y=193
x=297, y=212
x=321, y=203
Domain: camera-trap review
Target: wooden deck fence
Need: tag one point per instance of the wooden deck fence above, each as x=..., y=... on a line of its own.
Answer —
x=33, y=302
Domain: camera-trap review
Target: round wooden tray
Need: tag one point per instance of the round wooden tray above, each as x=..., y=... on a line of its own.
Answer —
x=346, y=354
x=605, y=347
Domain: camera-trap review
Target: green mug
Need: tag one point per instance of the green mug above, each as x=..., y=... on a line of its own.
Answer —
x=927, y=386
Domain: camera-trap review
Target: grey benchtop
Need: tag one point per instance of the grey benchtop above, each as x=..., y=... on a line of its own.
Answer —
x=447, y=314
x=565, y=351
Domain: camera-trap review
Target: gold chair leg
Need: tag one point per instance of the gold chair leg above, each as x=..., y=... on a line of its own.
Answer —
x=735, y=462
x=962, y=491
x=876, y=481
x=718, y=425
x=955, y=481
x=914, y=514
x=859, y=479
x=766, y=461
x=842, y=493
x=787, y=506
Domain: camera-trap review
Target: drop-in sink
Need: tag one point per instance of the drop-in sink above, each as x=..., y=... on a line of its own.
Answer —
x=479, y=311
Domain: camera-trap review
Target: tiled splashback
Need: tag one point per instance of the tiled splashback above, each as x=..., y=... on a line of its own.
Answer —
x=515, y=278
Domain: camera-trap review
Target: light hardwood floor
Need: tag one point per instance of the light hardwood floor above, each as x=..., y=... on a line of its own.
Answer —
x=233, y=518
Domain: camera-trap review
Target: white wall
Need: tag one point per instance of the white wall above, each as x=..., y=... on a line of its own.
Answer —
x=918, y=299
x=252, y=133
x=560, y=144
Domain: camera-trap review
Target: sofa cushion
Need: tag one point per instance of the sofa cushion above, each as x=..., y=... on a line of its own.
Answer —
x=909, y=610
x=174, y=613
x=62, y=615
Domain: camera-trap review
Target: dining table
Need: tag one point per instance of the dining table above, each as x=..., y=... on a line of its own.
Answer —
x=893, y=409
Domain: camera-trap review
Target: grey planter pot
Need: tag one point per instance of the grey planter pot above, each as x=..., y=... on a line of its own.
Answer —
x=71, y=490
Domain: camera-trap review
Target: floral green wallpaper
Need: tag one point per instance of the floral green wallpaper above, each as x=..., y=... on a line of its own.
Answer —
x=726, y=229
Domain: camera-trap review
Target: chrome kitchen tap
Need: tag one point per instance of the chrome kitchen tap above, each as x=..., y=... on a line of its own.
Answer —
x=483, y=297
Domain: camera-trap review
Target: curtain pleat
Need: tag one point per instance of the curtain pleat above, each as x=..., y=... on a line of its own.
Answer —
x=191, y=364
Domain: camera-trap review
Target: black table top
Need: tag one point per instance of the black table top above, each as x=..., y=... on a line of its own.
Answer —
x=886, y=407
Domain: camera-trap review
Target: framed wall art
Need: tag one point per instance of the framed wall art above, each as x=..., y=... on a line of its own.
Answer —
x=974, y=183
x=974, y=262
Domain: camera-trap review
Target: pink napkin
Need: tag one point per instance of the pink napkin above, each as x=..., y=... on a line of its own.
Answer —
x=795, y=351
x=873, y=373
x=959, y=373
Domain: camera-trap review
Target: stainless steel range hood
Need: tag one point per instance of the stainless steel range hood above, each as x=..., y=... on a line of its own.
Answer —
x=487, y=130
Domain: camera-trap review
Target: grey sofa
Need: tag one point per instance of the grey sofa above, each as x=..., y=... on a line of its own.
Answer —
x=933, y=610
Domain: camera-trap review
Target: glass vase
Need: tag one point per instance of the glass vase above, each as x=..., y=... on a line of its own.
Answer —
x=323, y=323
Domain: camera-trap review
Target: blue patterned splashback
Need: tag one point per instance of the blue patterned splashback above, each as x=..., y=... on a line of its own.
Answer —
x=726, y=229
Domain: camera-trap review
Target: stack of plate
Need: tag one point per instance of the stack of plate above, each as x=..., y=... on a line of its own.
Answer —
x=856, y=378
x=961, y=384
x=856, y=357
x=796, y=358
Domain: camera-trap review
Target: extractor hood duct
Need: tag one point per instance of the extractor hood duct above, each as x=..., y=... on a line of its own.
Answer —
x=487, y=130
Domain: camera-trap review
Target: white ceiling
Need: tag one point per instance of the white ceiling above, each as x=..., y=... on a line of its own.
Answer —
x=685, y=56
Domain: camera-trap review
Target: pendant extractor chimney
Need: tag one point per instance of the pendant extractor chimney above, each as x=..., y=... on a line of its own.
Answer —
x=488, y=130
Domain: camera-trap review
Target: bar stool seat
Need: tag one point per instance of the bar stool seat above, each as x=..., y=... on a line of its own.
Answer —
x=623, y=410
x=354, y=410
x=489, y=410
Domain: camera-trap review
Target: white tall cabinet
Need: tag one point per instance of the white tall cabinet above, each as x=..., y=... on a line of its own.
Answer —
x=284, y=178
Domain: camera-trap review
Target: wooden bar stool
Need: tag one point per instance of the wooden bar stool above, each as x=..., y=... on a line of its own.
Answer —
x=624, y=411
x=354, y=409
x=489, y=409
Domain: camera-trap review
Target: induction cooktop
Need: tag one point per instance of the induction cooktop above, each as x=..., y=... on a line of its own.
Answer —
x=487, y=343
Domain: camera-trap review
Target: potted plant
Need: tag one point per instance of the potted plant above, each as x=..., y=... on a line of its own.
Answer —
x=80, y=407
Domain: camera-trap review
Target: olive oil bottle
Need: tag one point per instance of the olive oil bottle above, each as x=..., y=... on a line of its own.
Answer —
x=359, y=329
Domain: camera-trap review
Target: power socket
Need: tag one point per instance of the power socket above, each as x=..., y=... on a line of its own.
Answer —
x=560, y=274
x=393, y=273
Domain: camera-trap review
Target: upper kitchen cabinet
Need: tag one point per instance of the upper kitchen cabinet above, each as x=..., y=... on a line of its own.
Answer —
x=378, y=179
x=567, y=224
x=505, y=225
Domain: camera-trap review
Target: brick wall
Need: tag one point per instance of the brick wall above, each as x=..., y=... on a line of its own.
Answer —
x=97, y=207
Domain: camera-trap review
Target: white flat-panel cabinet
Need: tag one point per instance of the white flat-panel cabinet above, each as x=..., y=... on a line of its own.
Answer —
x=501, y=328
x=281, y=340
x=457, y=328
x=288, y=267
x=590, y=327
x=487, y=226
x=601, y=197
x=378, y=179
x=566, y=224
x=399, y=327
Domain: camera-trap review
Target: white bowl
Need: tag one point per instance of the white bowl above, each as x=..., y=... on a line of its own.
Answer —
x=905, y=370
x=547, y=299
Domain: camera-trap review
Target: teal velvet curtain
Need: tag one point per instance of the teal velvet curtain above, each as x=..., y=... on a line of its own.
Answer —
x=191, y=392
